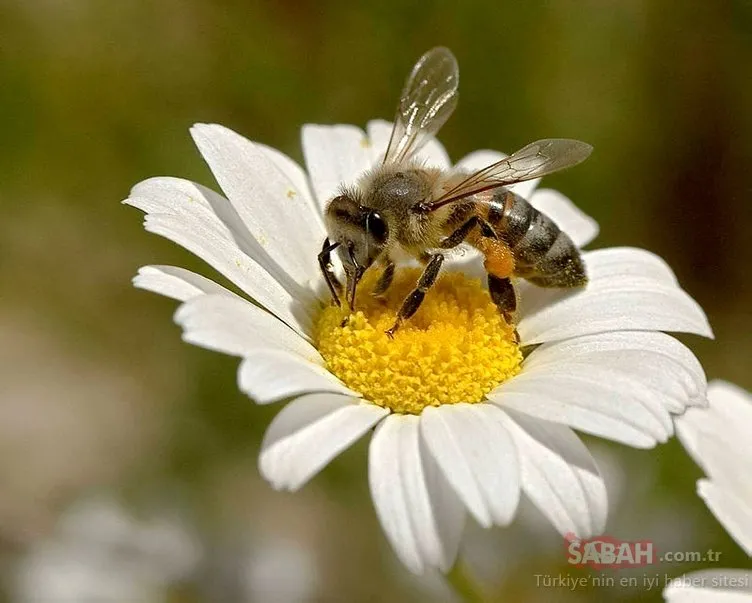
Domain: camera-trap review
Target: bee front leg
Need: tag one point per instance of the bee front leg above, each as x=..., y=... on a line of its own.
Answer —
x=412, y=302
x=327, y=270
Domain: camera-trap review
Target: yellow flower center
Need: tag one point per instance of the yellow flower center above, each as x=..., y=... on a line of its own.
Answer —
x=456, y=348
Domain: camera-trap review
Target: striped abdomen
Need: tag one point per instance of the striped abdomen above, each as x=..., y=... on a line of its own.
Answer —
x=543, y=254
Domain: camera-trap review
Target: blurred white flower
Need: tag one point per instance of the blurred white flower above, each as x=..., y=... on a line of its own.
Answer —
x=602, y=366
x=280, y=570
x=260, y=567
x=101, y=554
x=718, y=439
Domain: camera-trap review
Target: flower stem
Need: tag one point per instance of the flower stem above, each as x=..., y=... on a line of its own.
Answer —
x=463, y=584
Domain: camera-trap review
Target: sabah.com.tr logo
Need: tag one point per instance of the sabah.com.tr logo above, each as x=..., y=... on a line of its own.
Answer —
x=607, y=551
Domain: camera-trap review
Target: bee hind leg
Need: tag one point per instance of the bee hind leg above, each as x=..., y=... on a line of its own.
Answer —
x=504, y=296
x=415, y=298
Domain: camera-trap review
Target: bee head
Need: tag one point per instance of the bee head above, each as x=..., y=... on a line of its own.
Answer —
x=361, y=233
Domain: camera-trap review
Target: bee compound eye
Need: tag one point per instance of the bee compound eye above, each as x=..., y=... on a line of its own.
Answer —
x=377, y=226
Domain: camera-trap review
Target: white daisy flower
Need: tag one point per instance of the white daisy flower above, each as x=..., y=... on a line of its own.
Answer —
x=717, y=438
x=465, y=423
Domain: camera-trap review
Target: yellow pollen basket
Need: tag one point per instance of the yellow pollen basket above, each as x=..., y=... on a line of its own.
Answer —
x=456, y=348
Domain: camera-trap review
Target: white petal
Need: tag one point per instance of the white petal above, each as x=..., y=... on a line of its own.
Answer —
x=379, y=132
x=733, y=512
x=183, y=198
x=583, y=402
x=308, y=433
x=385, y=463
x=656, y=359
x=177, y=283
x=717, y=437
x=468, y=261
x=559, y=475
x=478, y=458
x=268, y=202
x=711, y=586
x=478, y=160
x=731, y=401
x=237, y=327
x=448, y=508
x=268, y=376
x=727, y=460
x=335, y=156
x=432, y=154
x=650, y=369
x=727, y=418
x=185, y=205
x=581, y=228
x=223, y=255
x=298, y=177
x=413, y=505
x=635, y=294
x=628, y=261
x=619, y=387
x=206, y=224
x=602, y=264
x=174, y=196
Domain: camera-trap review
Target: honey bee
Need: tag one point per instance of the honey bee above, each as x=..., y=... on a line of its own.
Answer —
x=402, y=206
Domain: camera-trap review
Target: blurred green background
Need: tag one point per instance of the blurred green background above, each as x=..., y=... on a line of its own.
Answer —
x=99, y=397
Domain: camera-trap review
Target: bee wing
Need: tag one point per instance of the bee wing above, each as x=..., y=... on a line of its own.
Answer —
x=532, y=161
x=427, y=101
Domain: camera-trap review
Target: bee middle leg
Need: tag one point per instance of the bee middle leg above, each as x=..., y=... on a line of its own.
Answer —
x=415, y=298
x=460, y=234
x=385, y=280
